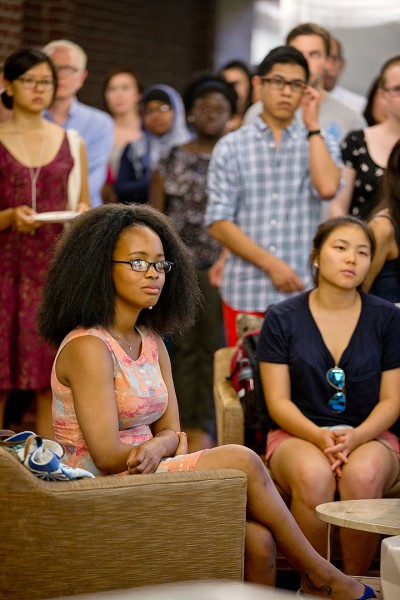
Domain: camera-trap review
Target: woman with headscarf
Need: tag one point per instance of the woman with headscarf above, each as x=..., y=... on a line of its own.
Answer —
x=164, y=126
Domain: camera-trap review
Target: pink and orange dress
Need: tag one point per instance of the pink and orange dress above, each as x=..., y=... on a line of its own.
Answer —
x=140, y=395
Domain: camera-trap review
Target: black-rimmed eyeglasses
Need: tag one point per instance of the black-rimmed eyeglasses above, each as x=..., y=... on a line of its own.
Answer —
x=161, y=266
x=28, y=83
x=336, y=378
x=278, y=83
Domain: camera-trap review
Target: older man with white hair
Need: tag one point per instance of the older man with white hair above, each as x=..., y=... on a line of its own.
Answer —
x=95, y=126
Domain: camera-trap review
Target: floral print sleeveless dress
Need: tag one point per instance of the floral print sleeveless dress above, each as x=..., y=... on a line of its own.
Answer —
x=140, y=395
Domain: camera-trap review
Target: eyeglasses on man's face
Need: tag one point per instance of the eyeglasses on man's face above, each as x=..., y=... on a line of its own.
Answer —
x=297, y=86
x=393, y=91
x=336, y=378
x=29, y=83
x=142, y=266
x=66, y=70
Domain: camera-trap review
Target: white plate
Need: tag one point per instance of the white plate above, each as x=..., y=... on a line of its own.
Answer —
x=56, y=216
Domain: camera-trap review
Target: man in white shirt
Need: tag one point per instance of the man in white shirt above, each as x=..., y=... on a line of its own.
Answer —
x=333, y=70
x=95, y=126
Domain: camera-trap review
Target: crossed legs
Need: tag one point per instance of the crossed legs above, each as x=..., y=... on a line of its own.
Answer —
x=266, y=508
x=260, y=555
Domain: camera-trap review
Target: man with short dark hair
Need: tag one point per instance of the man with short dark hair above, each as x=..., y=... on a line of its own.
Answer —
x=314, y=42
x=266, y=182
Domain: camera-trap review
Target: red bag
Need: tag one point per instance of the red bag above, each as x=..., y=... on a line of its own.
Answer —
x=245, y=377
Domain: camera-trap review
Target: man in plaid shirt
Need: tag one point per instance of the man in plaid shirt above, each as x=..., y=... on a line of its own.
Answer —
x=265, y=185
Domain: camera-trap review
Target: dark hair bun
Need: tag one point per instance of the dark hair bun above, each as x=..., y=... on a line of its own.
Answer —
x=6, y=99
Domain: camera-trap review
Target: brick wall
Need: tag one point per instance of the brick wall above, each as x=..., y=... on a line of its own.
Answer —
x=11, y=22
x=165, y=41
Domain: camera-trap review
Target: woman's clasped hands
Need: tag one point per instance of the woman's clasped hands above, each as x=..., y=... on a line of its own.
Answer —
x=342, y=443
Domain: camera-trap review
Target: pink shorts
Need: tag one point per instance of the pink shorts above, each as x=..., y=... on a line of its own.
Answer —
x=277, y=436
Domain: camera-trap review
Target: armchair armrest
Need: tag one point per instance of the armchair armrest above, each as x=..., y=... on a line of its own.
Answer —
x=228, y=410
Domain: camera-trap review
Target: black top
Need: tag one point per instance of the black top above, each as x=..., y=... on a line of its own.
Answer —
x=290, y=336
x=387, y=282
x=367, y=184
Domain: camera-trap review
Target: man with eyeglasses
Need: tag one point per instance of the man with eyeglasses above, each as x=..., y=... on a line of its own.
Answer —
x=314, y=42
x=95, y=126
x=265, y=186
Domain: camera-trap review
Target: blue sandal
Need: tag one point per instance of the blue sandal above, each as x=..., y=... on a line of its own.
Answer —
x=368, y=593
x=41, y=456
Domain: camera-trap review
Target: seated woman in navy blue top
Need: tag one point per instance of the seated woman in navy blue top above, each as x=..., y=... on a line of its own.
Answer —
x=383, y=278
x=330, y=367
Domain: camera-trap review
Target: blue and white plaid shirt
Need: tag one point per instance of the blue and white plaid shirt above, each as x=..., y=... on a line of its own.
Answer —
x=268, y=193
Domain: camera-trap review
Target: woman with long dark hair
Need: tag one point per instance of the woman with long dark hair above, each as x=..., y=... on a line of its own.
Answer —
x=36, y=162
x=330, y=368
x=365, y=152
x=121, y=278
x=383, y=278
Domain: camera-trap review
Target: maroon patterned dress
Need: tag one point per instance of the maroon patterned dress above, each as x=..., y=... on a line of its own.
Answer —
x=25, y=360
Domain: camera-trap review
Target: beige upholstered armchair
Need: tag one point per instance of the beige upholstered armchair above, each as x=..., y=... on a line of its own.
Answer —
x=64, y=538
x=229, y=412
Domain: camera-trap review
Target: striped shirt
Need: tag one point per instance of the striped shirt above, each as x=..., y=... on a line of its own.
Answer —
x=268, y=193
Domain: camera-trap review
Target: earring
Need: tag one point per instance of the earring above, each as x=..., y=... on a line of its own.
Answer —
x=150, y=308
x=315, y=264
x=191, y=119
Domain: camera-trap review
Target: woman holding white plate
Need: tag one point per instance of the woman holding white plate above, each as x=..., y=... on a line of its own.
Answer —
x=36, y=160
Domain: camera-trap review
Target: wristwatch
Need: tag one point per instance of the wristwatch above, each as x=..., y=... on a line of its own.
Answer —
x=313, y=132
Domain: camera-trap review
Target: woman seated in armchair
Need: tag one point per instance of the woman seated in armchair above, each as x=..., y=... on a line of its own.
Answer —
x=330, y=368
x=121, y=278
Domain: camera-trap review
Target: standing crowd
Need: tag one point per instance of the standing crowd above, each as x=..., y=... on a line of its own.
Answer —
x=132, y=239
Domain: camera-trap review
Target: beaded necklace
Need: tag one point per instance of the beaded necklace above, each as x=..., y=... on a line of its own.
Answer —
x=34, y=172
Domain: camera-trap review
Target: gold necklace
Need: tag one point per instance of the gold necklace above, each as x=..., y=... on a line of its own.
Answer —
x=34, y=172
x=121, y=337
